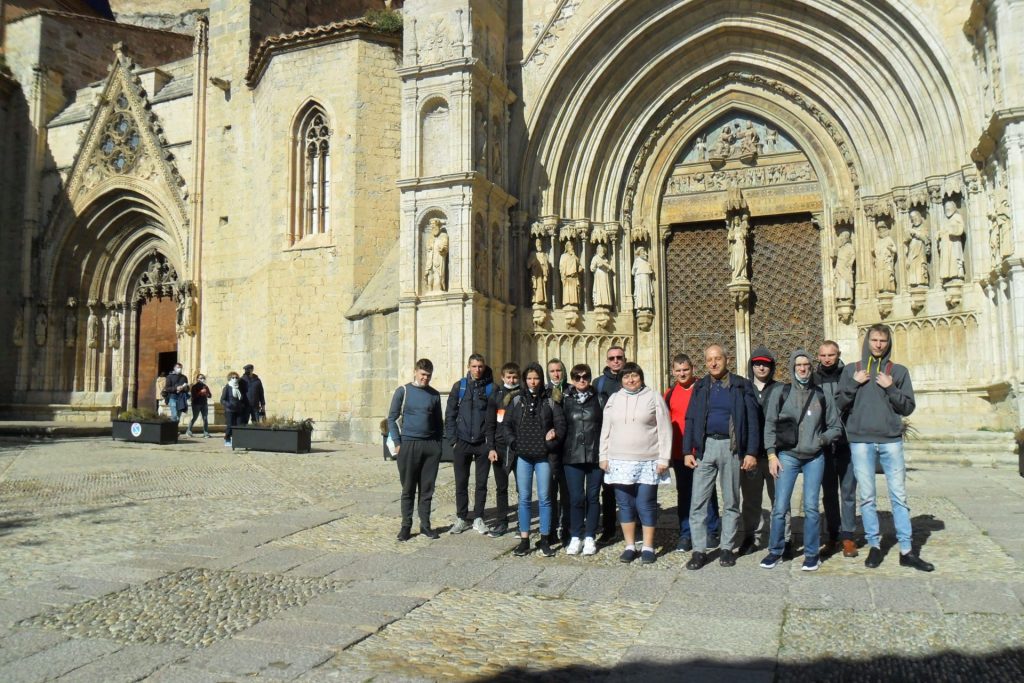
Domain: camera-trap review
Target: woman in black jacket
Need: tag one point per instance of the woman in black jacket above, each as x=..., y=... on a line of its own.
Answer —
x=583, y=408
x=534, y=427
x=235, y=407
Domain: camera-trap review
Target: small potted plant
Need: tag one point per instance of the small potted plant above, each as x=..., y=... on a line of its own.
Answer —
x=143, y=425
x=276, y=433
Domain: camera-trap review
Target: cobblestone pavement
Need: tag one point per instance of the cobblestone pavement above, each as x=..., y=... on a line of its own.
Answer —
x=120, y=562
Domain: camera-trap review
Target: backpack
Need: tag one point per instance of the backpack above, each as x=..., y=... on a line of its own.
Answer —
x=464, y=385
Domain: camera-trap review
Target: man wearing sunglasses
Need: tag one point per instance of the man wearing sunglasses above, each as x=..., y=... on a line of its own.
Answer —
x=608, y=382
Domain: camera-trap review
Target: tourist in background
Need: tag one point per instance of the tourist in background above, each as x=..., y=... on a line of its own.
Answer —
x=235, y=406
x=636, y=445
x=201, y=396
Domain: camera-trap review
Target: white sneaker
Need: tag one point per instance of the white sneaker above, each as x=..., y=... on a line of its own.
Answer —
x=574, y=546
x=589, y=546
x=480, y=526
x=188, y=433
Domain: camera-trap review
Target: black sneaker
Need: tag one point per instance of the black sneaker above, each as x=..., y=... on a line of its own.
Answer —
x=787, y=551
x=684, y=545
x=552, y=538
x=429, y=533
x=697, y=561
x=498, y=531
x=874, y=558
x=523, y=548
x=545, y=548
x=628, y=555
x=771, y=560
x=648, y=557
x=404, y=534
x=747, y=547
x=912, y=560
x=727, y=559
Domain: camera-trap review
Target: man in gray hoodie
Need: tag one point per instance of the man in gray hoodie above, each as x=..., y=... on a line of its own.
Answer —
x=799, y=425
x=876, y=395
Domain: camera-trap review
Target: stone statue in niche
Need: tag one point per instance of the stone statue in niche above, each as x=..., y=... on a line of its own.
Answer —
x=951, y=244
x=70, y=326
x=570, y=268
x=602, y=269
x=480, y=141
x=42, y=322
x=749, y=141
x=918, y=249
x=18, y=336
x=846, y=259
x=114, y=330
x=771, y=140
x=643, y=280
x=92, y=330
x=723, y=148
x=436, y=272
x=885, y=259
x=702, y=148
x=540, y=268
x=738, y=234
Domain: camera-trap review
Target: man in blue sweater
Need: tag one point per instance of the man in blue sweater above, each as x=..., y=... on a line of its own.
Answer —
x=876, y=395
x=417, y=444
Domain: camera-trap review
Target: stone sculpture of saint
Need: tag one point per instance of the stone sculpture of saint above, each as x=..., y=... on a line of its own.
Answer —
x=951, y=256
x=643, y=281
x=539, y=267
x=42, y=321
x=846, y=258
x=602, y=269
x=70, y=327
x=437, y=258
x=92, y=331
x=885, y=260
x=723, y=148
x=114, y=330
x=749, y=140
x=570, y=268
x=917, y=243
x=738, y=251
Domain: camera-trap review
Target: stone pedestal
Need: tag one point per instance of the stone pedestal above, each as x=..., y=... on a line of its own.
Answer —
x=918, y=297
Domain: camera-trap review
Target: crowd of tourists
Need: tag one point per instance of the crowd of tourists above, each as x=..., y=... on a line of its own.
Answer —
x=595, y=450
x=242, y=399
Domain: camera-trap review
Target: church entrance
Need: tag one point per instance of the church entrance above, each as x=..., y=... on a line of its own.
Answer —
x=157, y=348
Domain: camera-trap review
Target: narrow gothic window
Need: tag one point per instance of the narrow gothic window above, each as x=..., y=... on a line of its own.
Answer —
x=312, y=214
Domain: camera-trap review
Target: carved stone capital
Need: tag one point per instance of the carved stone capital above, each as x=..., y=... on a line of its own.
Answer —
x=602, y=316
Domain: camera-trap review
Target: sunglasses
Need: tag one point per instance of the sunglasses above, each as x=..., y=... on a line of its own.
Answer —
x=577, y=378
x=616, y=358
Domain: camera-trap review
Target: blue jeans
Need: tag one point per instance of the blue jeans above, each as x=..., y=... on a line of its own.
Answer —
x=525, y=471
x=584, y=482
x=684, y=495
x=864, y=456
x=637, y=500
x=813, y=471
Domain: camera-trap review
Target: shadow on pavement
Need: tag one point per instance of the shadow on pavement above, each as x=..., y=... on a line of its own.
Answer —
x=1006, y=665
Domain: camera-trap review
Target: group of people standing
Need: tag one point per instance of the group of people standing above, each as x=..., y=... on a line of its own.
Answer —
x=596, y=450
x=242, y=398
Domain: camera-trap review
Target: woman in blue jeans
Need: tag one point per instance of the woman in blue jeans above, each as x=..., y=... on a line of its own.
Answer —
x=583, y=408
x=799, y=424
x=636, y=443
x=534, y=427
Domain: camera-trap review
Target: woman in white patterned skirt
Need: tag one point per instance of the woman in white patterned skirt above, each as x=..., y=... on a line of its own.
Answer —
x=636, y=443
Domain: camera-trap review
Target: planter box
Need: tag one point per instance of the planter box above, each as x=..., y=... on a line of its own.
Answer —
x=256, y=438
x=144, y=432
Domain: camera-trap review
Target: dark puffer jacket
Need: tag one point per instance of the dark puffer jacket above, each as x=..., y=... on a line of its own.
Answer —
x=582, y=427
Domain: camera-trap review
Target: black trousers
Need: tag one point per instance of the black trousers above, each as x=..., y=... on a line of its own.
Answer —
x=417, y=469
x=232, y=419
x=501, y=491
x=560, y=507
x=463, y=456
x=609, y=521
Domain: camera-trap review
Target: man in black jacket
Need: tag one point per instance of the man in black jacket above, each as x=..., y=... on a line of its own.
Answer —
x=254, y=393
x=502, y=462
x=839, y=485
x=467, y=429
x=606, y=384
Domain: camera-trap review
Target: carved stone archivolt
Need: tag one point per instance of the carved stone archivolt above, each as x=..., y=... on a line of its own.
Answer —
x=159, y=279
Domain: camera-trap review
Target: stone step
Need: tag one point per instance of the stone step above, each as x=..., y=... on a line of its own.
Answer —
x=974, y=448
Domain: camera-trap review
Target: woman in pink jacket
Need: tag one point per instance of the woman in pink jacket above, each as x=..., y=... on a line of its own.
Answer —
x=636, y=443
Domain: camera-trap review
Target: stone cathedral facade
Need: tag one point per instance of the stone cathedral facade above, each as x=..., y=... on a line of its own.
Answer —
x=330, y=195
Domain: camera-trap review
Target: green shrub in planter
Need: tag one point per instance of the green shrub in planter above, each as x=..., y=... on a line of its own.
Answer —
x=276, y=434
x=142, y=425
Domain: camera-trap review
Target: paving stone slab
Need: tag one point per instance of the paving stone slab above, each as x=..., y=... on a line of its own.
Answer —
x=695, y=605
x=14, y=611
x=413, y=589
x=511, y=577
x=278, y=560
x=976, y=596
x=186, y=674
x=129, y=664
x=305, y=634
x=902, y=595
x=23, y=642
x=57, y=660
x=323, y=564
x=245, y=659
x=644, y=586
x=359, y=600
x=811, y=591
x=597, y=585
x=331, y=616
x=752, y=637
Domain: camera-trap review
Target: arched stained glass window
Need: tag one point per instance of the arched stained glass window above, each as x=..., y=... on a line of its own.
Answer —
x=313, y=156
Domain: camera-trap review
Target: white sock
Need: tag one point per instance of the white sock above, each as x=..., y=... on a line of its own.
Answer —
x=648, y=548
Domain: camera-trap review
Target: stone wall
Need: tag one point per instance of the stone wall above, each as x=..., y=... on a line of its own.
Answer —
x=13, y=116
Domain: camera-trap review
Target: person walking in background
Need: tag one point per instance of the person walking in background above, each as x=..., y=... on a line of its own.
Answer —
x=534, y=429
x=254, y=395
x=201, y=396
x=176, y=392
x=235, y=407
x=636, y=445
x=583, y=410
x=677, y=398
x=415, y=428
x=799, y=426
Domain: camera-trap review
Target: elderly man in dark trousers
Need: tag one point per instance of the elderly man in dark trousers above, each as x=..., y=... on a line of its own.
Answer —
x=722, y=438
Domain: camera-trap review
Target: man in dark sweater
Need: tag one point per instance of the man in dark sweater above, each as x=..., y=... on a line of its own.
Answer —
x=467, y=429
x=417, y=444
x=839, y=486
x=607, y=383
x=502, y=462
x=876, y=395
x=254, y=392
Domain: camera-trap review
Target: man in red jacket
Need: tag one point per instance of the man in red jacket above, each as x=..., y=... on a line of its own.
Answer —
x=678, y=400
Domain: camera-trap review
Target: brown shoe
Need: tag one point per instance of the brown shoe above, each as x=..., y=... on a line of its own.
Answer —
x=849, y=548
